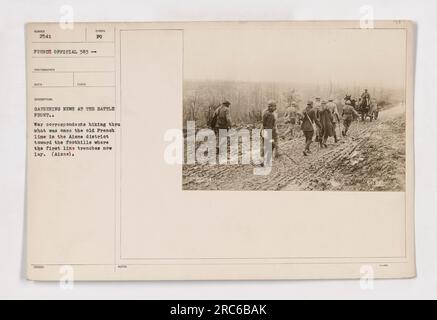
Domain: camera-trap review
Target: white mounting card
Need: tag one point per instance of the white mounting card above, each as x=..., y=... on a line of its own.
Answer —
x=220, y=150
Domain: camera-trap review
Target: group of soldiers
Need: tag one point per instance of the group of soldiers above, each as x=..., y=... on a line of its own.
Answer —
x=319, y=119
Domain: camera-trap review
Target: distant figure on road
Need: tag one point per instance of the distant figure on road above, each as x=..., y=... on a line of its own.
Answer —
x=374, y=109
x=327, y=126
x=270, y=122
x=352, y=101
x=365, y=96
x=349, y=114
x=291, y=119
x=308, y=126
x=221, y=120
x=364, y=105
x=222, y=116
x=332, y=106
x=317, y=108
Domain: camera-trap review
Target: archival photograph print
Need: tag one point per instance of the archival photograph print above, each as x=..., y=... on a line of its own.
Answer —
x=294, y=109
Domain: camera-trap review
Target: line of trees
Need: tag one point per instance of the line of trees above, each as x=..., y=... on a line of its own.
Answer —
x=249, y=99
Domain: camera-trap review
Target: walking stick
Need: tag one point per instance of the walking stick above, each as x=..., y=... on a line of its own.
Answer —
x=292, y=159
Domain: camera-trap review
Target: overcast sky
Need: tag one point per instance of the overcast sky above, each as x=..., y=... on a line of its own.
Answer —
x=315, y=56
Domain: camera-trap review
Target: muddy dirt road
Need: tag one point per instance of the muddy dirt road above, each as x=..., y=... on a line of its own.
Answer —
x=370, y=158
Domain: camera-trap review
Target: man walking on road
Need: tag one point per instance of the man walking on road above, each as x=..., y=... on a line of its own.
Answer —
x=270, y=123
x=291, y=119
x=221, y=120
x=374, y=109
x=327, y=126
x=332, y=107
x=309, y=123
x=349, y=114
x=317, y=106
